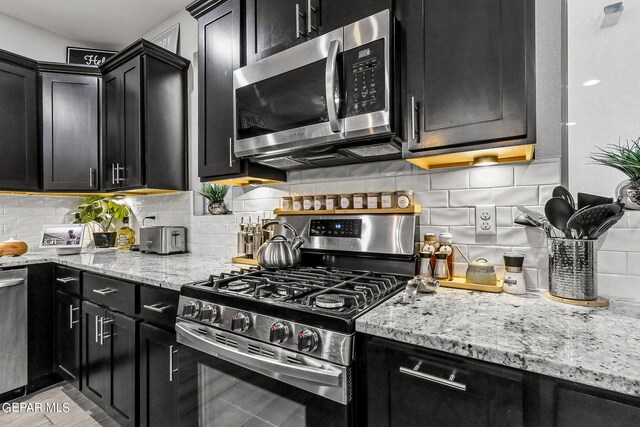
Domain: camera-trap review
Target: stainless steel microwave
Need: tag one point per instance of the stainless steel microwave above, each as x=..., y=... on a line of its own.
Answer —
x=312, y=101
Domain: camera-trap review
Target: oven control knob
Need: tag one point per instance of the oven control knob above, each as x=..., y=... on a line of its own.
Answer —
x=240, y=322
x=191, y=309
x=209, y=313
x=308, y=340
x=280, y=333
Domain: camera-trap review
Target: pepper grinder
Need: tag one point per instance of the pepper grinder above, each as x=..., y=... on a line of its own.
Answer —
x=514, y=281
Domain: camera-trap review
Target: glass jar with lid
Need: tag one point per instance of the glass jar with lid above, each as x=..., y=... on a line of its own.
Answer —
x=297, y=203
x=307, y=203
x=331, y=201
x=346, y=201
x=373, y=200
x=319, y=203
x=404, y=198
x=359, y=201
x=388, y=200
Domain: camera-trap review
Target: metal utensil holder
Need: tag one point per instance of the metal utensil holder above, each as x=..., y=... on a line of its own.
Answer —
x=573, y=269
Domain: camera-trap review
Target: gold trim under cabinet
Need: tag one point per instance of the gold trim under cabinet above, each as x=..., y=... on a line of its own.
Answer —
x=415, y=209
x=246, y=181
x=131, y=193
x=514, y=154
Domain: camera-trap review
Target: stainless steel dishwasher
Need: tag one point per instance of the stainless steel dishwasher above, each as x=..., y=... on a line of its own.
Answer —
x=13, y=329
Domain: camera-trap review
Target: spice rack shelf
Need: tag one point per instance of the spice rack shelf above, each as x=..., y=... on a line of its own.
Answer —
x=416, y=209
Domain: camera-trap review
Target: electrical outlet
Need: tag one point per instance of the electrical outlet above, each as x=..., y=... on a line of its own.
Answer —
x=486, y=220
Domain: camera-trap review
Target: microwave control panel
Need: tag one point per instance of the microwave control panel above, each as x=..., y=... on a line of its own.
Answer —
x=335, y=228
x=365, y=78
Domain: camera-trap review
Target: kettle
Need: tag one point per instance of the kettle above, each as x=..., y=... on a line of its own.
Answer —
x=278, y=251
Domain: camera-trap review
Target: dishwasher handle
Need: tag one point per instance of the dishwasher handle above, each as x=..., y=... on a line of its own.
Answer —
x=11, y=282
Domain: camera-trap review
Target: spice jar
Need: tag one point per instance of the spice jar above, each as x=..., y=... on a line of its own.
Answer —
x=286, y=203
x=331, y=201
x=346, y=201
x=388, y=200
x=359, y=201
x=319, y=203
x=405, y=198
x=373, y=200
x=307, y=203
x=297, y=203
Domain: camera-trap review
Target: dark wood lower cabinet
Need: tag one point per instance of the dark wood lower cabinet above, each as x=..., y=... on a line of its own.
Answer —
x=158, y=380
x=68, y=317
x=95, y=358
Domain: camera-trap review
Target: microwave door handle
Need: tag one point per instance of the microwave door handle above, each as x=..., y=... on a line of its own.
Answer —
x=330, y=85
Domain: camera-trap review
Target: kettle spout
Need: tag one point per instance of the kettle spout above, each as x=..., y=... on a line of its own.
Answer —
x=297, y=242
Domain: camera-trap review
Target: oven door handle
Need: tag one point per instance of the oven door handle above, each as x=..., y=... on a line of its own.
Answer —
x=330, y=85
x=203, y=343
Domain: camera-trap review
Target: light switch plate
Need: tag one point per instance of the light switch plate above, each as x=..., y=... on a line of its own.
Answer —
x=486, y=220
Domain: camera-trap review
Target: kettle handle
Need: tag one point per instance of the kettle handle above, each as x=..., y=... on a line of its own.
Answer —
x=282, y=223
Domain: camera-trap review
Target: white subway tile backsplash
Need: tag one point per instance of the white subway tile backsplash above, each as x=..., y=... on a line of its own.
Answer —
x=450, y=216
x=519, y=236
x=467, y=236
x=534, y=257
x=530, y=277
x=622, y=239
x=512, y=196
x=633, y=263
x=543, y=278
x=324, y=188
x=469, y=198
x=612, y=262
x=394, y=168
x=633, y=219
x=492, y=176
x=450, y=180
x=338, y=173
x=537, y=173
x=380, y=184
x=491, y=253
x=504, y=217
x=432, y=199
x=546, y=192
x=621, y=286
x=413, y=182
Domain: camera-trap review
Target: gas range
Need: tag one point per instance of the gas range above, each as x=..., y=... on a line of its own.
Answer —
x=297, y=325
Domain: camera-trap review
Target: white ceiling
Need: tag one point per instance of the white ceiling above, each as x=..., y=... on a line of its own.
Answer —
x=96, y=23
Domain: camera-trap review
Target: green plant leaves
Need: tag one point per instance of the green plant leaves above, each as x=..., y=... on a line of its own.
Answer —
x=214, y=193
x=101, y=210
x=625, y=158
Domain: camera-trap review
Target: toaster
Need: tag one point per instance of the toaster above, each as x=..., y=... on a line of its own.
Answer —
x=163, y=240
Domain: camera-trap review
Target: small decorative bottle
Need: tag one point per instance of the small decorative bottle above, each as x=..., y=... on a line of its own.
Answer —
x=126, y=236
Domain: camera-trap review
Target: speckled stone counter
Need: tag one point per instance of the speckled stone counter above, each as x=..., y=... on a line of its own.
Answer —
x=599, y=347
x=167, y=271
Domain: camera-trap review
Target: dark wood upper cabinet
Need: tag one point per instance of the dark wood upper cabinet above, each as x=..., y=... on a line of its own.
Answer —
x=18, y=123
x=470, y=74
x=70, y=127
x=144, y=119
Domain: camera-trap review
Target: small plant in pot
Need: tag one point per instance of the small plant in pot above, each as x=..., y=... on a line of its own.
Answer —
x=215, y=195
x=626, y=159
x=99, y=214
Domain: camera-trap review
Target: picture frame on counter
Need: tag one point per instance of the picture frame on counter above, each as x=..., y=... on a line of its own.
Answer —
x=168, y=39
x=84, y=56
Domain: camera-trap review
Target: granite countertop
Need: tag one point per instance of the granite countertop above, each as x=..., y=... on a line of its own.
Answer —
x=167, y=271
x=599, y=347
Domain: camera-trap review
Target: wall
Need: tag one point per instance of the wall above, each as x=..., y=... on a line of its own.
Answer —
x=33, y=42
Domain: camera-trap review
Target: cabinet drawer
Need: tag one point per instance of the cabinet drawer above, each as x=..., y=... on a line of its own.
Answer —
x=113, y=293
x=159, y=306
x=68, y=280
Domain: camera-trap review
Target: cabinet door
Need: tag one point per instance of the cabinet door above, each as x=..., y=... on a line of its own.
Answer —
x=70, y=131
x=415, y=388
x=219, y=55
x=68, y=350
x=112, y=130
x=95, y=358
x=158, y=381
x=327, y=15
x=577, y=406
x=132, y=172
x=469, y=79
x=18, y=128
x=273, y=26
x=120, y=334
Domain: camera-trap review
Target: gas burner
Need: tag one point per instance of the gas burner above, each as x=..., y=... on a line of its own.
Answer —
x=283, y=291
x=238, y=285
x=330, y=301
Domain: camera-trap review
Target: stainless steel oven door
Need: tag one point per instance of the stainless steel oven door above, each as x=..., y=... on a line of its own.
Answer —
x=228, y=380
x=281, y=103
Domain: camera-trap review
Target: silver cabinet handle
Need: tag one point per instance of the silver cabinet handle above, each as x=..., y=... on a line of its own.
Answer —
x=11, y=282
x=158, y=307
x=66, y=280
x=113, y=173
x=298, y=16
x=433, y=378
x=309, y=10
x=330, y=84
x=97, y=325
x=117, y=173
x=91, y=184
x=121, y=178
x=171, y=370
x=71, y=321
x=102, y=335
x=105, y=291
x=414, y=110
x=230, y=152
x=320, y=375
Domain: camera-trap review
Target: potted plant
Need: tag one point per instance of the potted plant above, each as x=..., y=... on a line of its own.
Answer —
x=626, y=159
x=215, y=195
x=101, y=212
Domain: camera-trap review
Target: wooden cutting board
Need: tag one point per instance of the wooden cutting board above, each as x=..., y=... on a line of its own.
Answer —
x=13, y=248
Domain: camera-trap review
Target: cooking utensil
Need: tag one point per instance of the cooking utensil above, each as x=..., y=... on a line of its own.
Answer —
x=558, y=211
x=280, y=252
x=597, y=231
x=585, y=200
x=563, y=193
x=522, y=219
x=540, y=220
x=583, y=220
